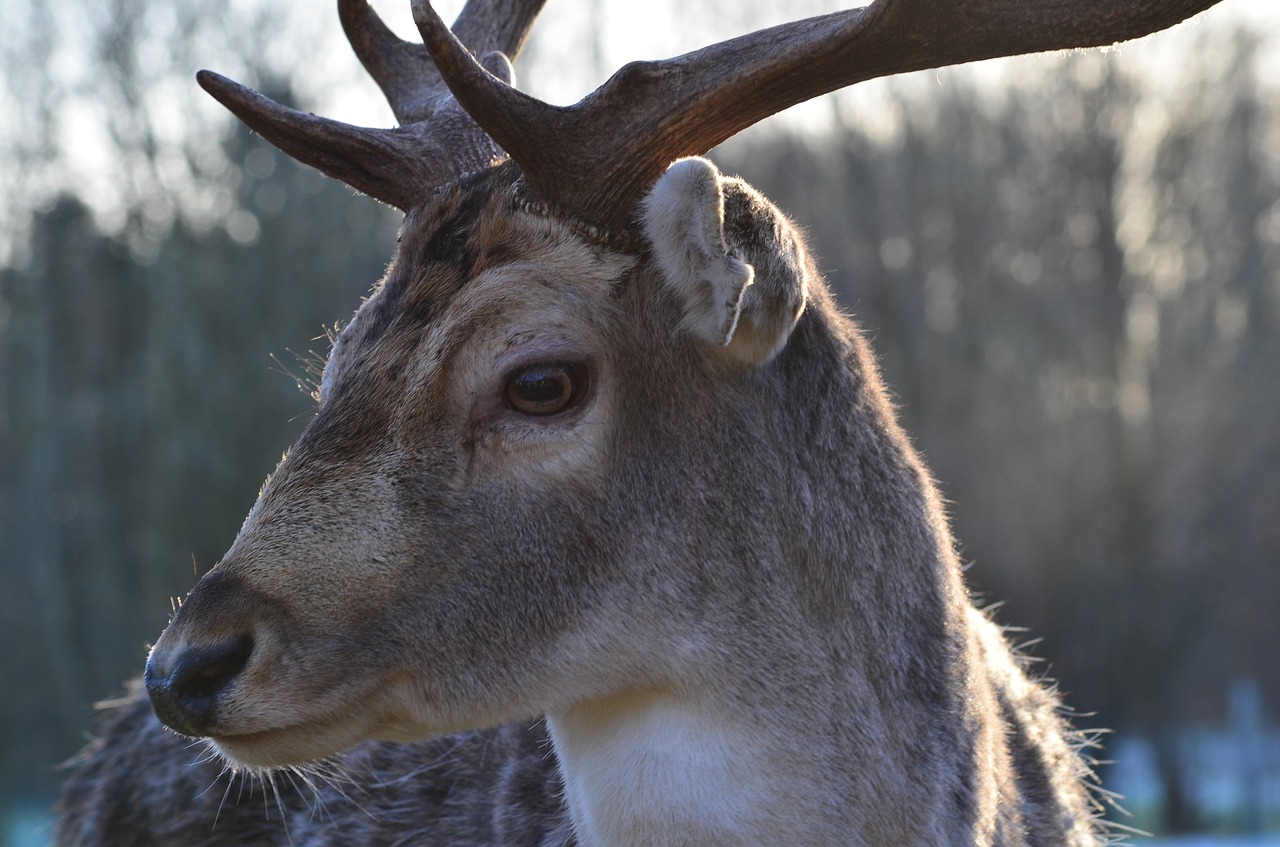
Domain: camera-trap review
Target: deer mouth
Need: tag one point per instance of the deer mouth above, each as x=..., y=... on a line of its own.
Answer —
x=284, y=746
x=315, y=730
x=307, y=737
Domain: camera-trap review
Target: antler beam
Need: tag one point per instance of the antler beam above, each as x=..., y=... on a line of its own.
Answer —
x=598, y=158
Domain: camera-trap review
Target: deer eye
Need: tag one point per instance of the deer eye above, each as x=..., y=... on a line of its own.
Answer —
x=546, y=389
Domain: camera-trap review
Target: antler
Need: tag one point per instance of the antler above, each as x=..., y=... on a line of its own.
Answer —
x=404, y=70
x=437, y=141
x=598, y=158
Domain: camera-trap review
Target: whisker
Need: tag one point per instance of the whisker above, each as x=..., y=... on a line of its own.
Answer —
x=226, y=793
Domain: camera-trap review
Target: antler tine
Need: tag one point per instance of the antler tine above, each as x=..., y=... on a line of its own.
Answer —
x=437, y=141
x=568, y=154
x=404, y=70
x=505, y=113
x=358, y=156
x=501, y=25
x=599, y=157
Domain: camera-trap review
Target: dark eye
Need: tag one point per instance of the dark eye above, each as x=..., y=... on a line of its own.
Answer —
x=546, y=389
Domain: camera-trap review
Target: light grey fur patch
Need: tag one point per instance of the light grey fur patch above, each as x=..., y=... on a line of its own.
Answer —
x=693, y=218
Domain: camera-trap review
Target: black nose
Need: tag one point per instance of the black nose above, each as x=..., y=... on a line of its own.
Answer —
x=184, y=687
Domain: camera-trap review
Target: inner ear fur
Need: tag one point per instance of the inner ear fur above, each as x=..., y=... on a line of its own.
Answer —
x=736, y=263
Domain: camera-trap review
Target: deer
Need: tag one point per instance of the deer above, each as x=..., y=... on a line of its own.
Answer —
x=604, y=531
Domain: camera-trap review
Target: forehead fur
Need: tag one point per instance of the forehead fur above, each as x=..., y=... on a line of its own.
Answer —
x=469, y=257
x=478, y=226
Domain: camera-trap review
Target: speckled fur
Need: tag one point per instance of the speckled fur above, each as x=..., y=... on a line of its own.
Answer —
x=747, y=543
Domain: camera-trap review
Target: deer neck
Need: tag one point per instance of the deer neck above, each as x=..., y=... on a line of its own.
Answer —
x=665, y=768
x=855, y=728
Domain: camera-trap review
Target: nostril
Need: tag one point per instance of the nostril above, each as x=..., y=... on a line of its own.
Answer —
x=184, y=687
x=203, y=672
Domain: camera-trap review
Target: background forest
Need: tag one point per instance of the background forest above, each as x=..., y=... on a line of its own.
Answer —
x=1069, y=265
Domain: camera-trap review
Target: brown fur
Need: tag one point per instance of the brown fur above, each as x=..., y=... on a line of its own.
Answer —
x=742, y=551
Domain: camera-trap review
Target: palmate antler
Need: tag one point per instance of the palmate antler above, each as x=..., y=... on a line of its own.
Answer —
x=597, y=158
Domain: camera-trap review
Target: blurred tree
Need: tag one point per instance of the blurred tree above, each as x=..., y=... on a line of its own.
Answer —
x=140, y=408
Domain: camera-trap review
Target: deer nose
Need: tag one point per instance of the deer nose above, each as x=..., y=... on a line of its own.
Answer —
x=184, y=687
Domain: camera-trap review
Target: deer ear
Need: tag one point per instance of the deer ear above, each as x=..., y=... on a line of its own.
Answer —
x=733, y=259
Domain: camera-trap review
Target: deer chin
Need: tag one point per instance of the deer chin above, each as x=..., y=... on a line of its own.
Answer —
x=271, y=735
x=295, y=744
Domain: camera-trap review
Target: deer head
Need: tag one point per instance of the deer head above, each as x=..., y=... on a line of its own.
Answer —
x=599, y=441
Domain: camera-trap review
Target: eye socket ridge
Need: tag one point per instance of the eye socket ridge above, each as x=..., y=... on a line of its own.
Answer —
x=543, y=389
